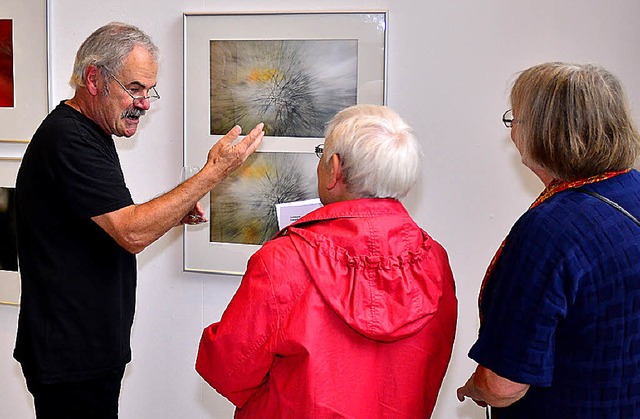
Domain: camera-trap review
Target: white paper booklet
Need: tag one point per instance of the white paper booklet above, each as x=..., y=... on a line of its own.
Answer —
x=289, y=212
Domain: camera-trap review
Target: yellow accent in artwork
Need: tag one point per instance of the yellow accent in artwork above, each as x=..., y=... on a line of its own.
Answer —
x=263, y=75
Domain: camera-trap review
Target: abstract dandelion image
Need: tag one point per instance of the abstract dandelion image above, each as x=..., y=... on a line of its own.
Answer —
x=293, y=86
x=243, y=206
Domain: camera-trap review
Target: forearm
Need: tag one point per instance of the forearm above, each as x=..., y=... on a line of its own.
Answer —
x=137, y=226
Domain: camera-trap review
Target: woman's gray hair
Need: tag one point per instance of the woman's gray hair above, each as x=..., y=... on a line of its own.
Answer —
x=107, y=48
x=379, y=153
x=574, y=120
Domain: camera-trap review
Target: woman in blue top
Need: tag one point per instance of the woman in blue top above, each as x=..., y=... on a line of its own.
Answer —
x=560, y=302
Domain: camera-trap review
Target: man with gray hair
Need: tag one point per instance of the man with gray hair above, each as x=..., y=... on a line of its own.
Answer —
x=79, y=229
x=351, y=310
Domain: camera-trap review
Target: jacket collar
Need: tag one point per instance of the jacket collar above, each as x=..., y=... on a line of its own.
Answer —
x=354, y=208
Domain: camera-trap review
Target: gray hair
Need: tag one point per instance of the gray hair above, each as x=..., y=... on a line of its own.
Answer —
x=107, y=48
x=574, y=119
x=379, y=153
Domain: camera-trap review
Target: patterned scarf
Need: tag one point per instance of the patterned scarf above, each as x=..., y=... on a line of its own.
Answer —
x=556, y=186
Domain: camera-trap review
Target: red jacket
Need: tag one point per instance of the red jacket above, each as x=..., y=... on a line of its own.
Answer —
x=350, y=312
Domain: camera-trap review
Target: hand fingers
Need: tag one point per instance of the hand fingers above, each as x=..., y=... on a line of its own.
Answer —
x=230, y=136
x=198, y=210
x=253, y=139
x=194, y=219
x=257, y=129
x=195, y=216
x=228, y=156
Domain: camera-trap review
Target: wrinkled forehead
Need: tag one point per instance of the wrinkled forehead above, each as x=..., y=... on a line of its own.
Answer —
x=139, y=66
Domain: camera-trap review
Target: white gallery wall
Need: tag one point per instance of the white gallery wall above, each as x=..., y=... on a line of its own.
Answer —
x=449, y=69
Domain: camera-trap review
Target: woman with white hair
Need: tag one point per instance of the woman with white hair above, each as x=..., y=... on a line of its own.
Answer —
x=351, y=310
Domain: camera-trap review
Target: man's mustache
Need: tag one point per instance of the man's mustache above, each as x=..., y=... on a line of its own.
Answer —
x=133, y=113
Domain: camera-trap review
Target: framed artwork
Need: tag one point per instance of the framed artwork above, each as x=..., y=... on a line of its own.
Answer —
x=23, y=74
x=291, y=71
x=6, y=64
x=24, y=96
x=9, y=278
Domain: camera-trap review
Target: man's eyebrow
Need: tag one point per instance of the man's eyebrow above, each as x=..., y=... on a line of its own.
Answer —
x=140, y=85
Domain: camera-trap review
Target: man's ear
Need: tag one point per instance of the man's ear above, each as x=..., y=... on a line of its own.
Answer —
x=92, y=78
x=335, y=171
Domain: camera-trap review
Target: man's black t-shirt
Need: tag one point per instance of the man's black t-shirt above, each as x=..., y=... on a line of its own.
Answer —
x=78, y=284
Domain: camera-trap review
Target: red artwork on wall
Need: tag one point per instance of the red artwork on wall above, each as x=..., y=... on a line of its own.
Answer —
x=6, y=63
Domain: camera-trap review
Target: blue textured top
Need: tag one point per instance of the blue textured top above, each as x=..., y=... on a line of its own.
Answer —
x=561, y=310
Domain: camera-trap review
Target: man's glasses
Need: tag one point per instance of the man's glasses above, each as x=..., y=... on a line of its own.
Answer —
x=507, y=118
x=152, y=93
x=319, y=150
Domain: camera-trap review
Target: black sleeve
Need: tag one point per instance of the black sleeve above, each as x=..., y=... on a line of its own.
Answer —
x=88, y=169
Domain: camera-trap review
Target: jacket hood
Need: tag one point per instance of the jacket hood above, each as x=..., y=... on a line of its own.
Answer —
x=384, y=298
